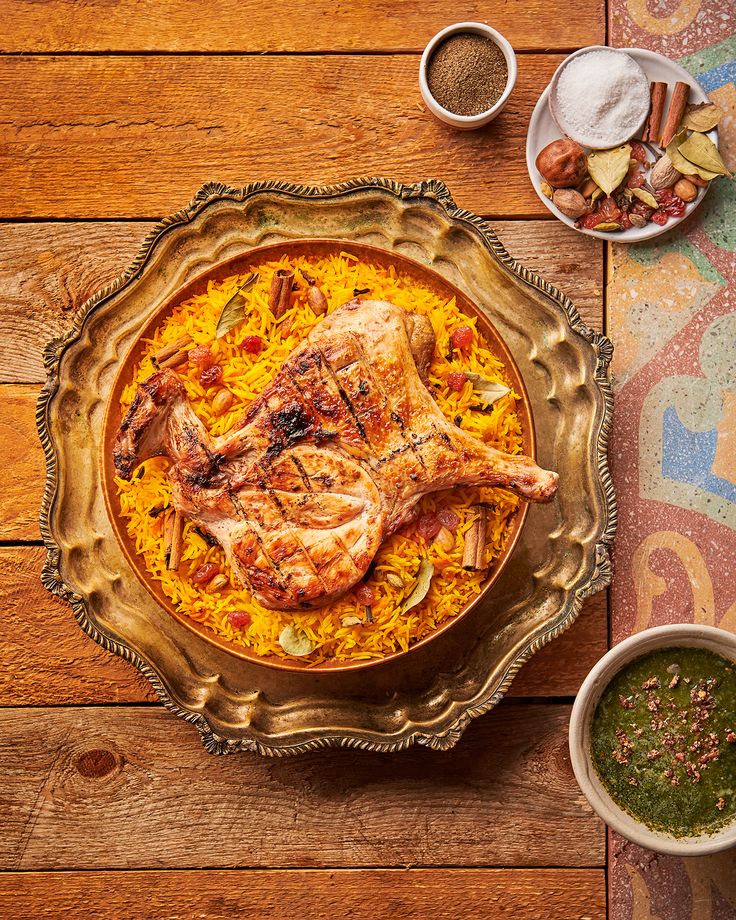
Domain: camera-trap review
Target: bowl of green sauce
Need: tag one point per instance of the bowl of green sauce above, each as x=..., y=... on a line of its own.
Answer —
x=653, y=739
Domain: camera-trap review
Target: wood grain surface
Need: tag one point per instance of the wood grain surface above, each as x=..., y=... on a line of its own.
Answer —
x=48, y=661
x=130, y=787
x=111, y=116
x=381, y=894
x=47, y=270
x=99, y=136
x=319, y=25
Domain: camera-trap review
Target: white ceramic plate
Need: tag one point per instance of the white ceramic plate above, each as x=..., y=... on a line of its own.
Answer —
x=543, y=130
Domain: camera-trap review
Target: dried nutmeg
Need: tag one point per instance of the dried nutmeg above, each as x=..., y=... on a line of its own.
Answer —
x=562, y=163
x=664, y=174
x=571, y=203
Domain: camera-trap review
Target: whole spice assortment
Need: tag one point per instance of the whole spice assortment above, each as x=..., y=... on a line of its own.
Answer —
x=663, y=740
x=467, y=74
x=634, y=183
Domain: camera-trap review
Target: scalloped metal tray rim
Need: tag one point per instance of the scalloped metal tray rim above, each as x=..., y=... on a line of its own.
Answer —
x=434, y=190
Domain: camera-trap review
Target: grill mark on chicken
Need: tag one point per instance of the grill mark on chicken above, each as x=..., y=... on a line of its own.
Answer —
x=303, y=473
x=345, y=398
x=303, y=491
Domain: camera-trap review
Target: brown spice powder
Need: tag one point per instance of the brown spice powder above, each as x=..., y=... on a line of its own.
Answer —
x=467, y=73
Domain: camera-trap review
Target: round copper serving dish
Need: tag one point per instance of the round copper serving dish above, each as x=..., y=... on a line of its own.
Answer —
x=241, y=264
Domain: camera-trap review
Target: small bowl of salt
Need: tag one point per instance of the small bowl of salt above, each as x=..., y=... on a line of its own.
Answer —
x=599, y=97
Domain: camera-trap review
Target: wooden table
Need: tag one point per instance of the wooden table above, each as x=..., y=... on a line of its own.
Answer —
x=112, y=115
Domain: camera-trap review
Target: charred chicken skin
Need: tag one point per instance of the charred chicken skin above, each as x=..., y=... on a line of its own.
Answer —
x=329, y=460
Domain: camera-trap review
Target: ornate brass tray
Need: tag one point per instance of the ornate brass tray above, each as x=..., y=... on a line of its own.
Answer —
x=429, y=696
x=243, y=264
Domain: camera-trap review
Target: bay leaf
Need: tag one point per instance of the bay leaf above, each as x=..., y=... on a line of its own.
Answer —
x=608, y=168
x=643, y=195
x=294, y=642
x=702, y=117
x=700, y=150
x=233, y=313
x=421, y=589
x=683, y=165
x=487, y=391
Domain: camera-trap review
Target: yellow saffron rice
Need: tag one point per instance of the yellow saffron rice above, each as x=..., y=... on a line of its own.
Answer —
x=246, y=376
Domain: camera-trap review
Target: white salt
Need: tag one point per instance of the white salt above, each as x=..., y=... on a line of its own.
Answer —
x=601, y=98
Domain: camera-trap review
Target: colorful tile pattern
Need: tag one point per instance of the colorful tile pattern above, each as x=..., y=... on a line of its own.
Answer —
x=672, y=317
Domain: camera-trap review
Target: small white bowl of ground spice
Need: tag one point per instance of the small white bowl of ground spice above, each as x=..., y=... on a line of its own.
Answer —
x=466, y=74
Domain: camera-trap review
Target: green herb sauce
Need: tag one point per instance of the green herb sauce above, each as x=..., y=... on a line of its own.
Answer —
x=663, y=740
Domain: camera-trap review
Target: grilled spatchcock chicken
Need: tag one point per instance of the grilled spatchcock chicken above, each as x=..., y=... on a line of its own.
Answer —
x=326, y=463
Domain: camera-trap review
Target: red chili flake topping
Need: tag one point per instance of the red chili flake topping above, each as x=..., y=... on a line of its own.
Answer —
x=365, y=595
x=456, y=382
x=720, y=804
x=679, y=756
x=711, y=755
x=252, y=345
x=211, y=376
x=651, y=683
x=448, y=519
x=462, y=337
x=731, y=736
x=654, y=755
x=428, y=526
x=627, y=702
x=205, y=573
x=674, y=682
x=239, y=619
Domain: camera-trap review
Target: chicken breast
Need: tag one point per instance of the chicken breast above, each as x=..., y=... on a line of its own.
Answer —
x=326, y=463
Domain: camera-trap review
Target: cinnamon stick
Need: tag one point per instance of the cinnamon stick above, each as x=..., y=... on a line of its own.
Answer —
x=659, y=94
x=179, y=357
x=475, y=541
x=280, y=296
x=176, y=541
x=680, y=95
x=171, y=349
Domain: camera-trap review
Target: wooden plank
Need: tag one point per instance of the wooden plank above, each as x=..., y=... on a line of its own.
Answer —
x=320, y=25
x=22, y=468
x=378, y=894
x=48, y=661
x=169, y=124
x=131, y=787
x=47, y=270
